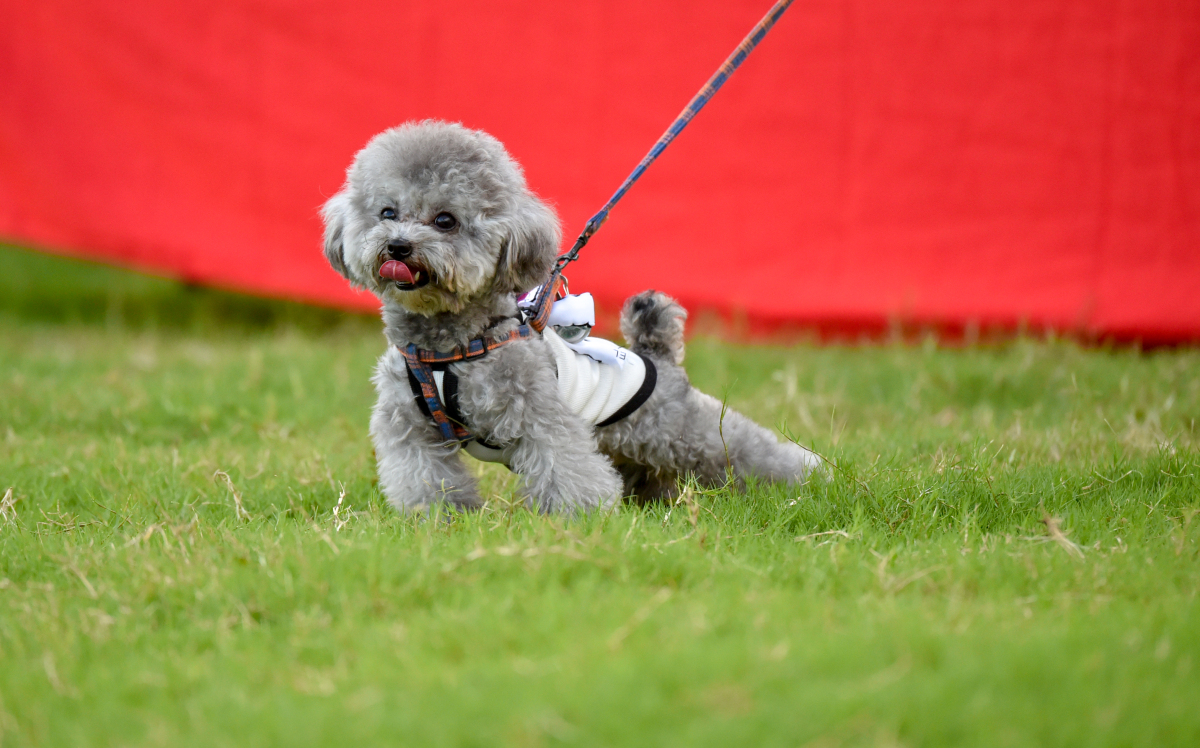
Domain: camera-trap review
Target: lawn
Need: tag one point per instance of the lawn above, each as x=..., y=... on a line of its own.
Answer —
x=193, y=550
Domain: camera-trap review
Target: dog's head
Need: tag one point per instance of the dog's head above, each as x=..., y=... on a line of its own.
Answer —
x=433, y=215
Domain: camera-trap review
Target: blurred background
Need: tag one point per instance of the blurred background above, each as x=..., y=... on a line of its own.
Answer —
x=958, y=164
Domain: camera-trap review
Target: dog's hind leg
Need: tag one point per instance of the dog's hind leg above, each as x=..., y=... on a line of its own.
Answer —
x=723, y=438
x=643, y=484
x=703, y=437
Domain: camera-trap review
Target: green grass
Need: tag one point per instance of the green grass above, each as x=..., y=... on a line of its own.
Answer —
x=919, y=597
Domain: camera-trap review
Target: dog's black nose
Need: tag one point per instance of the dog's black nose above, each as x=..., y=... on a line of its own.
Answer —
x=398, y=249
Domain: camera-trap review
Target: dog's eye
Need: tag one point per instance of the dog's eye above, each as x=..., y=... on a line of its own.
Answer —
x=445, y=221
x=388, y=214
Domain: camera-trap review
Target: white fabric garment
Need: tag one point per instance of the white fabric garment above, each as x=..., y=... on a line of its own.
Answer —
x=575, y=309
x=602, y=351
x=591, y=388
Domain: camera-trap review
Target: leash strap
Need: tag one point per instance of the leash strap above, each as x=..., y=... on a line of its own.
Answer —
x=547, y=294
x=732, y=63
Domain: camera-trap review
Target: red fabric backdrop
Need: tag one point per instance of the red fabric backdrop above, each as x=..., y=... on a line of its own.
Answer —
x=942, y=161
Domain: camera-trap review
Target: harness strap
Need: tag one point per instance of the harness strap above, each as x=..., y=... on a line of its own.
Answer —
x=420, y=364
x=420, y=377
x=474, y=349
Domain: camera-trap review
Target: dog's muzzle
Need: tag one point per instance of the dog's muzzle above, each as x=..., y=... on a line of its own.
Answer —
x=407, y=274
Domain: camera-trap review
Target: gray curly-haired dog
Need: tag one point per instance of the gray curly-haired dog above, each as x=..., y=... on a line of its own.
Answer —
x=449, y=205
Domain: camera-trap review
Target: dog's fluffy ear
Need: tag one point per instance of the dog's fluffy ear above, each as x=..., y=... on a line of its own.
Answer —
x=335, y=213
x=530, y=246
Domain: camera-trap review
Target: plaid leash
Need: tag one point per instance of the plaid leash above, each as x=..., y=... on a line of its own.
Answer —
x=732, y=63
x=420, y=361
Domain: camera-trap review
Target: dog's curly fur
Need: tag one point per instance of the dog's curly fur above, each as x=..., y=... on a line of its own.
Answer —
x=504, y=242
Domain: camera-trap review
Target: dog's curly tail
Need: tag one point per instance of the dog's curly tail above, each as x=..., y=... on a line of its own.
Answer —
x=652, y=324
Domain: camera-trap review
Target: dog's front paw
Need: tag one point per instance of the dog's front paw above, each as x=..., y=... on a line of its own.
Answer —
x=410, y=492
x=572, y=484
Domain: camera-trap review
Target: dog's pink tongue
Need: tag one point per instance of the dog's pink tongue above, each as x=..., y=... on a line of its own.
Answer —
x=397, y=271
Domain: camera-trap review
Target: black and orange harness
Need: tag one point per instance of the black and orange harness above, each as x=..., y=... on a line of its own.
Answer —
x=421, y=362
x=438, y=398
